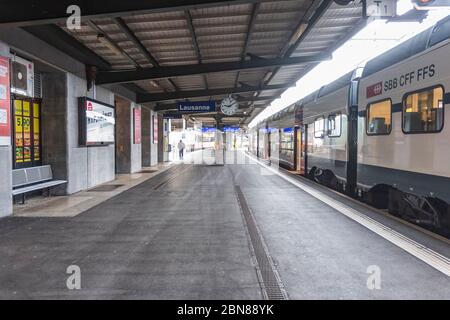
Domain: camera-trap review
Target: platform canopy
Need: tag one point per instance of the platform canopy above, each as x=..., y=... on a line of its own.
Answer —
x=169, y=51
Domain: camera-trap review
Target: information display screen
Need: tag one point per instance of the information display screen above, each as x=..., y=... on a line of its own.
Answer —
x=97, y=122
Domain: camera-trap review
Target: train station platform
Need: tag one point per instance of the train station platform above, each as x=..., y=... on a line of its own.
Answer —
x=233, y=231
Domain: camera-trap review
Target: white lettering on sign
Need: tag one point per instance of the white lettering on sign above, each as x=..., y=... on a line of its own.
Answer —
x=74, y=20
x=195, y=108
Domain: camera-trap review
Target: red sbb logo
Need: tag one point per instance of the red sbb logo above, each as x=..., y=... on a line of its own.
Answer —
x=374, y=90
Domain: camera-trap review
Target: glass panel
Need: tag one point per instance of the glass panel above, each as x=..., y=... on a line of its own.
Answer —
x=319, y=128
x=334, y=125
x=287, y=139
x=379, y=117
x=424, y=111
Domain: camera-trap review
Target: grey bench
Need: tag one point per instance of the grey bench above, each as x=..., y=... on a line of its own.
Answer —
x=32, y=179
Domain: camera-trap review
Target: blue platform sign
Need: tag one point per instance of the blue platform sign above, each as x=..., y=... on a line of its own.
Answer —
x=173, y=115
x=230, y=129
x=197, y=106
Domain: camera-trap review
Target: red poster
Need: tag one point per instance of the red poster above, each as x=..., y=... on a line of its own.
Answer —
x=5, y=103
x=155, y=129
x=137, y=126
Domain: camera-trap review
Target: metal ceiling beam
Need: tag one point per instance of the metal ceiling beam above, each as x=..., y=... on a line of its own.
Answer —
x=190, y=24
x=173, y=106
x=315, y=17
x=155, y=97
x=133, y=38
x=251, y=25
x=196, y=69
x=302, y=30
x=64, y=42
x=110, y=43
x=15, y=13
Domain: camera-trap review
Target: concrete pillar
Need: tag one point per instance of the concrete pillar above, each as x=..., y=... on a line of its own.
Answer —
x=82, y=167
x=54, y=126
x=128, y=153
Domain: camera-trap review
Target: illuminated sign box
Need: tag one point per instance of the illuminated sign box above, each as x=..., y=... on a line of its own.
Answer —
x=96, y=122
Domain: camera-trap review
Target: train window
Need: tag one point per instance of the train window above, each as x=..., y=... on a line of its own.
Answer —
x=334, y=125
x=319, y=127
x=379, y=116
x=423, y=111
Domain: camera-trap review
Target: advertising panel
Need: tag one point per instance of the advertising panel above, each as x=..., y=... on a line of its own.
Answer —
x=97, y=122
x=5, y=113
x=155, y=129
x=137, y=125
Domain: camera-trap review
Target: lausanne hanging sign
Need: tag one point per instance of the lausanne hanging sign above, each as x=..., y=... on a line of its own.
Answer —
x=197, y=106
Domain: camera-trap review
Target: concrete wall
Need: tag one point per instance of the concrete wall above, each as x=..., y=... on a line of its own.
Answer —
x=87, y=166
x=5, y=184
x=54, y=126
x=63, y=82
x=82, y=167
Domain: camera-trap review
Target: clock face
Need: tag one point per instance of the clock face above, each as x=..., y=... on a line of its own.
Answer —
x=229, y=106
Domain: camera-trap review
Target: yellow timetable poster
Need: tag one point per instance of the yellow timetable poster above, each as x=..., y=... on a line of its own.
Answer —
x=36, y=133
x=26, y=109
x=36, y=110
x=27, y=131
x=18, y=107
x=19, y=131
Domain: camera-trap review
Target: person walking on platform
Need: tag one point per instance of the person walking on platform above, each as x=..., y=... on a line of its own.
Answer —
x=181, y=147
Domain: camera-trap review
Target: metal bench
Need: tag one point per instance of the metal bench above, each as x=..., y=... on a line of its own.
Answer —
x=33, y=179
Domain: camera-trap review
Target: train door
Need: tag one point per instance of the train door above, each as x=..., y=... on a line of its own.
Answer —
x=301, y=149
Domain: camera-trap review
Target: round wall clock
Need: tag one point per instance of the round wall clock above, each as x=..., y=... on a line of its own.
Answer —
x=229, y=106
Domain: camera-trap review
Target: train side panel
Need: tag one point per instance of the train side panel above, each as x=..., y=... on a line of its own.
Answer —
x=403, y=146
x=327, y=151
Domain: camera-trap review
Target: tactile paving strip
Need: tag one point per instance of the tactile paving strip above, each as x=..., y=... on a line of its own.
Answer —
x=271, y=282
